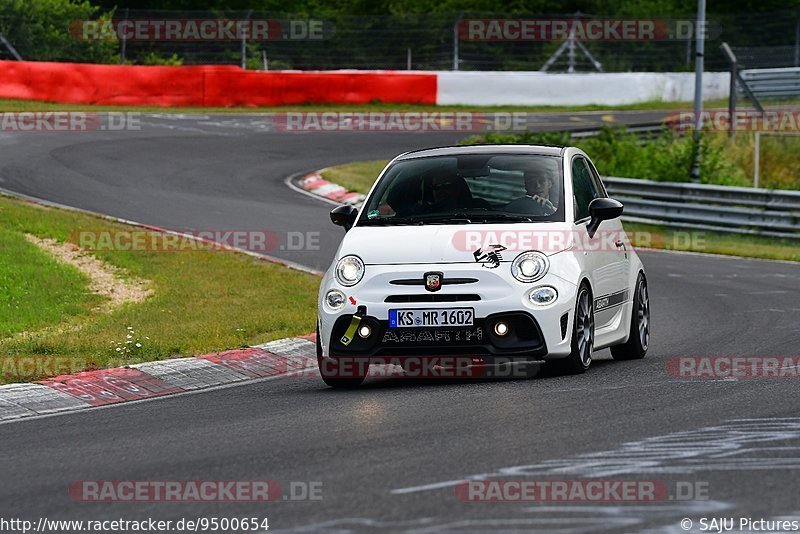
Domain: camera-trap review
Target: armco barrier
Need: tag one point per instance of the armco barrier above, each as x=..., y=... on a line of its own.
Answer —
x=739, y=210
x=79, y=83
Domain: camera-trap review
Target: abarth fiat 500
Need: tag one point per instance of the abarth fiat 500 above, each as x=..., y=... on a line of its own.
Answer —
x=498, y=254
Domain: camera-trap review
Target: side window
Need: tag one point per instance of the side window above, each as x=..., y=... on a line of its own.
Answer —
x=583, y=187
x=599, y=186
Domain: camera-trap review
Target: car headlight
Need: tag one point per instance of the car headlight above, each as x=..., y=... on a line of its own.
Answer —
x=530, y=266
x=334, y=299
x=349, y=270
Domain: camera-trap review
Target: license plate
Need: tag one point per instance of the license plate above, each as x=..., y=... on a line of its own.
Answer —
x=431, y=317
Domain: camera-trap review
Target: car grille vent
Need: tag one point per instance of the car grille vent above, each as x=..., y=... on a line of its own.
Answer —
x=432, y=297
x=564, y=321
x=421, y=281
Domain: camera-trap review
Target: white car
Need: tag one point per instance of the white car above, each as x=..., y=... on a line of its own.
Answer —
x=496, y=254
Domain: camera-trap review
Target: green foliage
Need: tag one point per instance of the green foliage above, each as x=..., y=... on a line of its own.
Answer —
x=40, y=29
x=153, y=58
x=667, y=157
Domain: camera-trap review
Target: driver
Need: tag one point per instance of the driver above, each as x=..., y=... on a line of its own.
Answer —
x=537, y=199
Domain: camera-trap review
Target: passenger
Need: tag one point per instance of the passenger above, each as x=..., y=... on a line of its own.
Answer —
x=452, y=192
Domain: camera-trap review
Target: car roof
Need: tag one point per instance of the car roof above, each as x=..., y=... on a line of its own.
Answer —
x=538, y=150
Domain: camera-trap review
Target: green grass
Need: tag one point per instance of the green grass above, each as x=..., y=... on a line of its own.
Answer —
x=659, y=237
x=358, y=176
x=361, y=174
x=33, y=105
x=35, y=289
x=779, y=166
x=204, y=301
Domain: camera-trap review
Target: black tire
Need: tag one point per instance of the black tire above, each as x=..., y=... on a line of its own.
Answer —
x=580, y=359
x=639, y=339
x=330, y=379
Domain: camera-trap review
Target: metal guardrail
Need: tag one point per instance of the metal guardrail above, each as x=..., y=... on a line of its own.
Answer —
x=740, y=210
x=643, y=130
x=773, y=83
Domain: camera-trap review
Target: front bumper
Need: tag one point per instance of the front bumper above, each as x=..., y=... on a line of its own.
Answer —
x=537, y=332
x=523, y=339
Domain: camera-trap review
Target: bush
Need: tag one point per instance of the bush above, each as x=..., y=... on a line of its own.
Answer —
x=40, y=31
x=152, y=58
x=667, y=157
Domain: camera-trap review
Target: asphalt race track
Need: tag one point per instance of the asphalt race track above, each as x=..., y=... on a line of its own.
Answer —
x=388, y=455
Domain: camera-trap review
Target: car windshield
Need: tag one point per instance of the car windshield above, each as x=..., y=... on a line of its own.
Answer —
x=468, y=189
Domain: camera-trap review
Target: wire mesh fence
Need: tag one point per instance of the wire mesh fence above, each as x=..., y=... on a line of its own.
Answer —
x=410, y=41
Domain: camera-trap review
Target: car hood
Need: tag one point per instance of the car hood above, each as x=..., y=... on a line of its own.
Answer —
x=465, y=243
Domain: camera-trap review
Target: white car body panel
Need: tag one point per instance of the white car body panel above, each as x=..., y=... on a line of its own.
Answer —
x=407, y=252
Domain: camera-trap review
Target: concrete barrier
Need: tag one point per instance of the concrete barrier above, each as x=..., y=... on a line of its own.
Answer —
x=553, y=89
x=224, y=86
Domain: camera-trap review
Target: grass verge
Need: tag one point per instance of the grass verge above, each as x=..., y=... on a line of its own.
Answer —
x=203, y=301
x=35, y=289
x=359, y=177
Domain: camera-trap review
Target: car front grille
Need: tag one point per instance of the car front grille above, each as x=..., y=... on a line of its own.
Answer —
x=433, y=297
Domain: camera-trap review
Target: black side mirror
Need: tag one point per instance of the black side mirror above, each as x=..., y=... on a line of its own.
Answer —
x=344, y=216
x=602, y=209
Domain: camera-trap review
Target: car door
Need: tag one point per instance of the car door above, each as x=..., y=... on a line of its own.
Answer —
x=614, y=234
x=605, y=257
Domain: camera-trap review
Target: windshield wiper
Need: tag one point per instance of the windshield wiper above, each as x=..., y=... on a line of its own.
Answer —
x=442, y=219
x=391, y=221
x=467, y=218
x=503, y=217
x=417, y=220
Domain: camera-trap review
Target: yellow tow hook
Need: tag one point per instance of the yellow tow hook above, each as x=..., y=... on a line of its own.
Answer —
x=350, y=333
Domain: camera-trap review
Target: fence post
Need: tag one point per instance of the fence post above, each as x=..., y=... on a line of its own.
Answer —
x=700, y=29
x=408, y=59
x=732, y=97
x=797, y=42
x=123, y=44
x=757, y=159
x=244, y=42
x=455, y=41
